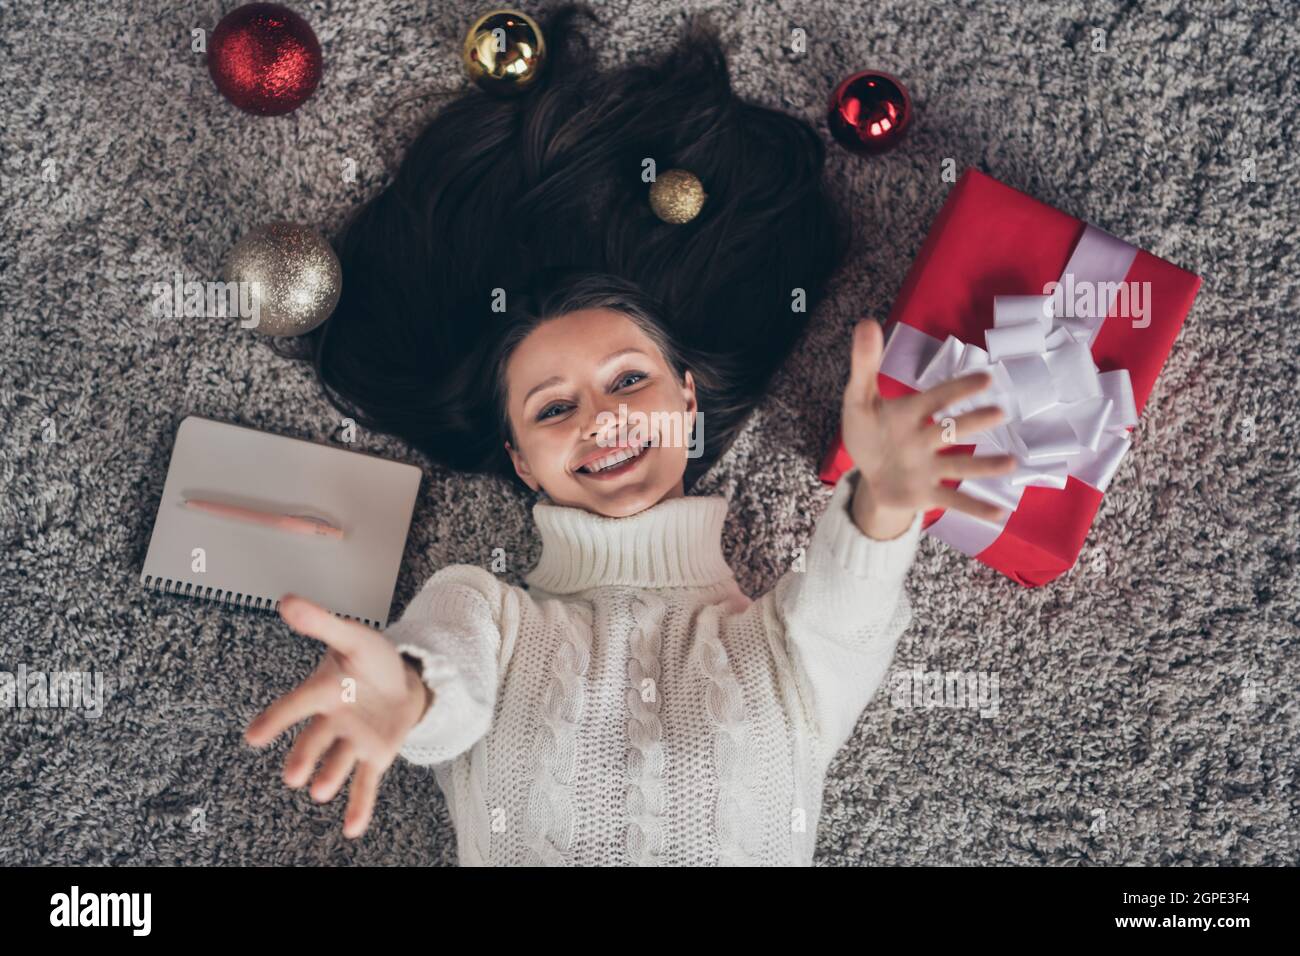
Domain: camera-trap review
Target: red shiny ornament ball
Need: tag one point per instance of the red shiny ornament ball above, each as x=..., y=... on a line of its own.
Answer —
x=869, y=112
x=264, y=58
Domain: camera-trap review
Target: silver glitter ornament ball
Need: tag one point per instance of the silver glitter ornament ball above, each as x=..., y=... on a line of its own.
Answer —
x=297, y=274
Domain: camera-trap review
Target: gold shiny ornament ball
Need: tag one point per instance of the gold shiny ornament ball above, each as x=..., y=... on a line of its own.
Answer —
x=504, y=51
x=297, y=274
x=676, y=196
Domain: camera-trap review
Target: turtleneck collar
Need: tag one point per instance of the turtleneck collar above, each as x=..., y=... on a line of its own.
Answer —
x=675, y=543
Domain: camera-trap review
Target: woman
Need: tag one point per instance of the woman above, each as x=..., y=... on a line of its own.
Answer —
x=630, y=704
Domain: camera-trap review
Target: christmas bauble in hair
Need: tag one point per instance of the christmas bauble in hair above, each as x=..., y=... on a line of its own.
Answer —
x=264, y=58
x=294, y=274
x=504, y=52
x=869, y=112
x=677, y=196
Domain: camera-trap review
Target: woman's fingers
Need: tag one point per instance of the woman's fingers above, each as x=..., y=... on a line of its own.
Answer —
x=334, y=771
x=949, y=430
x=307, y=750
x=947, y=497
x=941, y=396
x=868, y=344
x=975, y=466
x=311, y=619
x=361, y=799
x=313, y=696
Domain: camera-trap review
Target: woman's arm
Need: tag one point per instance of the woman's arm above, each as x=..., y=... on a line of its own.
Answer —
x=453, y=628
x=842, y=615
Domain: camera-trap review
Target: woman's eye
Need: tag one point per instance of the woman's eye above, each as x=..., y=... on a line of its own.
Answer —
x=619, y=383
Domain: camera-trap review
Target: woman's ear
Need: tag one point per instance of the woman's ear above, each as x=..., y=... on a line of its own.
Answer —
x=521, y=468
x=688, y=393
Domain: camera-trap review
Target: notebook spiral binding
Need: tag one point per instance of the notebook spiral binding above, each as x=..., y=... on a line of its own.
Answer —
x=228, y=599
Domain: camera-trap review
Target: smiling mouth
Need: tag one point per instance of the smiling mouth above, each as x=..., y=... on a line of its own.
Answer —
x=618, y=467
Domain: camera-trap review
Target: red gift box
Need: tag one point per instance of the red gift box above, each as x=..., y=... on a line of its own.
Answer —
x=992, y=240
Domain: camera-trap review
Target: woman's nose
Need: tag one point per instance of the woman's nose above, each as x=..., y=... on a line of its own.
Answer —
x=606, y=418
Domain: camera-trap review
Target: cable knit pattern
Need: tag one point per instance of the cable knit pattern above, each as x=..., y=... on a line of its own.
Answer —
x=725, y=703
x=645, y=755
x=549, y=812
x=630, y=705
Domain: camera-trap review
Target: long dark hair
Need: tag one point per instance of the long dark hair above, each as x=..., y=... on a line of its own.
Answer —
x=521, y=197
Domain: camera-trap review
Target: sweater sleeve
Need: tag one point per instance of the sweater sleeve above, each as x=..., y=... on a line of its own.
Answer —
x=453, y=627
x=842, y=616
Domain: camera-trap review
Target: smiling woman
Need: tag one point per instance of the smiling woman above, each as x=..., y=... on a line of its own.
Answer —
x=568, y=434
x=498, y=198
x=710, y=717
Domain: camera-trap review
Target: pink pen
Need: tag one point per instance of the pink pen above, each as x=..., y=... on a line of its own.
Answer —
x=299, y=524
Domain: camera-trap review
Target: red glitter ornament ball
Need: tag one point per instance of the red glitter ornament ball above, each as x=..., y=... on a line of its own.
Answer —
x=869, y=112
x=264, y=58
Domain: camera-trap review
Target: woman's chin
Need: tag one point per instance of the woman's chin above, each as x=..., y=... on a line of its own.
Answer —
x=627, y=496
x=622, y=499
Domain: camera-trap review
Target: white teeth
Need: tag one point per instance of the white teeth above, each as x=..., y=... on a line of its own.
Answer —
x=609, y=461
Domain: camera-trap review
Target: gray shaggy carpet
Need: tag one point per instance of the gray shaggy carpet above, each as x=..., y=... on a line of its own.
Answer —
x=1146, y=702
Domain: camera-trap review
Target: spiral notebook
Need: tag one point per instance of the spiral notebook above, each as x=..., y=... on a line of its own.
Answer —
x=214, y=557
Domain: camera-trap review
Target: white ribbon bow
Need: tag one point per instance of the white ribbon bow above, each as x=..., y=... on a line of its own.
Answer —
x=1063, y=417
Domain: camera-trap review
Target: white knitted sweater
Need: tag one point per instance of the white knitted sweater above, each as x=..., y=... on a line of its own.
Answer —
x=631, y=705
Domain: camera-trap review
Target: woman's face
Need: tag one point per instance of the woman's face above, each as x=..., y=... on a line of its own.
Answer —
x=565, y=384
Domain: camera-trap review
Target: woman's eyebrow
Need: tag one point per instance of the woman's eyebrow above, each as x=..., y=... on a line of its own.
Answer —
x=558, y=380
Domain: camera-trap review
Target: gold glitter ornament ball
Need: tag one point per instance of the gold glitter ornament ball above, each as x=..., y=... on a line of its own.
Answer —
x=298, y=274
x=504, y=51
x=676, y=196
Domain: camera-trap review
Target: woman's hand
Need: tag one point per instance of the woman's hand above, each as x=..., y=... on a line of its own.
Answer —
x=897, y=448
x=364, y=698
